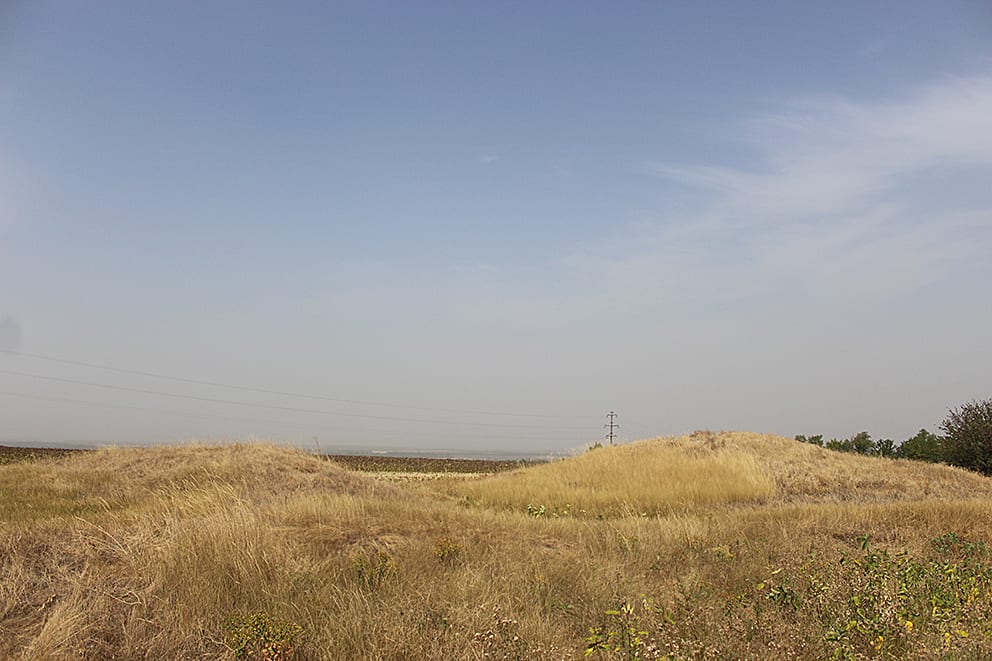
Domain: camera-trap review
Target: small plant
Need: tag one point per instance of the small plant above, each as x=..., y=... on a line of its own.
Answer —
x=723, y=552
x=780, y=592
x=259, y=637
x=537, y=511
x=447, y=550
x=502, y=640
x=627, y=544
x=952, y=543
x=877, y=603
x=894, y=597
x=374, y=569
x=621, y=637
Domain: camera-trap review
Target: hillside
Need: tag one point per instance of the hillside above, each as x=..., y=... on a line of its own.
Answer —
x=706, y=470
x=705, y=546
x=807, y=474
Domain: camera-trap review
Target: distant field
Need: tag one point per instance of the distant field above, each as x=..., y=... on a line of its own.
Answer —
x=709, y=546
x=380, y=464
x=366, y=463
x=9, y=454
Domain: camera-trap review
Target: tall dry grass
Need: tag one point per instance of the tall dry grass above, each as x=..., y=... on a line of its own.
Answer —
x=806, y=473
x=643, y=478
x=155, y=553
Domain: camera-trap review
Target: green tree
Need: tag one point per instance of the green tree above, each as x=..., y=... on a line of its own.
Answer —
x=860, y=443
x=968, y=436
x=812, y=440
x=925, y=446
x=843, y=445
x=884, y=447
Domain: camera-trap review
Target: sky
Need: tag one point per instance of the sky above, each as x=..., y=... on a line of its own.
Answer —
x=481, y=227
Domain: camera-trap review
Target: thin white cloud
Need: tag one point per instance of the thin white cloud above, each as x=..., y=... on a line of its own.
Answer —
x=835, y=209
x=844, y=188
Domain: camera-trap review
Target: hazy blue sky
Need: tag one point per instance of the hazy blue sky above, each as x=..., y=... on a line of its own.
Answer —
x=768, y=216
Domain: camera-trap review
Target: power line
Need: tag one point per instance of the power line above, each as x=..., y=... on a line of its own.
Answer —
x=267, y=391
x=293, y=409
x=146, y=409
x=284, y=423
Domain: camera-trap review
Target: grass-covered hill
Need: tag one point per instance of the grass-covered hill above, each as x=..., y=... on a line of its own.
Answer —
x=706, y=470
x=728, y=545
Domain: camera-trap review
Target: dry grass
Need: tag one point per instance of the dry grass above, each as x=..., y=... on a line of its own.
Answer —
x=644, y=478
x=806, y=473
x=706, y=470
x=150, y=554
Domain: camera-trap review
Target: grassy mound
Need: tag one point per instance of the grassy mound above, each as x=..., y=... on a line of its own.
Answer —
x=805, y=473
x=126, y=553
x=113, y=479
x=644, y=478
x=706, y=470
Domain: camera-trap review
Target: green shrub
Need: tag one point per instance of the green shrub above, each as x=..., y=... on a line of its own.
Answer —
x=447, y=550
x=374, y=569
x=622, y=636
x=968, y=440
x=884, y=447
x=259, y=637
x=860, y=443
x=925, y=446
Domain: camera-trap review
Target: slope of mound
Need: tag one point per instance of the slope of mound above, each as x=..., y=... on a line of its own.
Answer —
x=805, y=473
x=706, y=469
x=114, y=553
x=646, y=477
x=111, y=479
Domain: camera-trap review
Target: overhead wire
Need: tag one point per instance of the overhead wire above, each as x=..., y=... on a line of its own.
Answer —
x=202, y=416
x=269, y=391
x=293, y=409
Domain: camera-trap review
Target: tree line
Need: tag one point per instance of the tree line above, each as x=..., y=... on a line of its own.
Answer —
x=966, y=440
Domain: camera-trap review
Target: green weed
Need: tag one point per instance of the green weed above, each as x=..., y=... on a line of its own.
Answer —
x=373, y=569
x=447, y=550
x=260, y=637
x=622, y=636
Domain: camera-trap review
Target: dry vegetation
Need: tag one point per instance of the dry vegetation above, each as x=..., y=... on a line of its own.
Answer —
x=636, y=479
x=709, y=546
